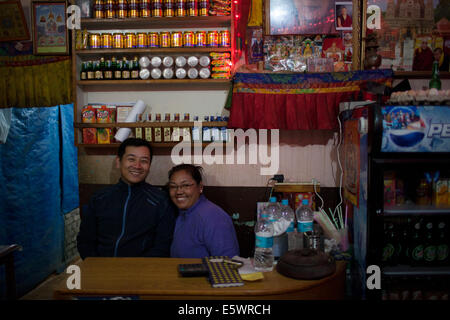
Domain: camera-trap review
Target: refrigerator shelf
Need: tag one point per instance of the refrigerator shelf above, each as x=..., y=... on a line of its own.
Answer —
x=415, y=210
x=406, y=270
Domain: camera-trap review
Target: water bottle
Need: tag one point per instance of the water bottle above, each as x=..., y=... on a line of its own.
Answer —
x=288, y=214
x=280, y=241
x=305, y=219
x=263, y=259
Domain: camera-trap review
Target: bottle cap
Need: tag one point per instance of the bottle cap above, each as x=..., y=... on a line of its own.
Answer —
x=305, y=202
x=273, y=199
x=285, y=202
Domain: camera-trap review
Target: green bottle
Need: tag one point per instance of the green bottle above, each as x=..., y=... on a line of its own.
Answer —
x=90, y=70
x=435, y=82
x=83, y=72
x=135, y=69
x=108, y=73
x=126, y=73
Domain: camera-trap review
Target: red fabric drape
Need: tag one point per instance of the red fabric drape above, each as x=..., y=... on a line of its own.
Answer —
x=287, y=111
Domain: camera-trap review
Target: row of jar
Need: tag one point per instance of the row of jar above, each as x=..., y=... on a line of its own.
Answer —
x=142, y=40
x=159, y=134
x=110, y=9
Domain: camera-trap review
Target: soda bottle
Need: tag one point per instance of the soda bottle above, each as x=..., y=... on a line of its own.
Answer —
x=305, y=218
x=387, y=257
x=404, y=244
x=416, y=246
x=442, y=245
x=288, y=214
x=263, y=258
x=429, y=250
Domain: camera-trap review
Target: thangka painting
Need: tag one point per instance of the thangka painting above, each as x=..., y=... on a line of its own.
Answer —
x=351, y=152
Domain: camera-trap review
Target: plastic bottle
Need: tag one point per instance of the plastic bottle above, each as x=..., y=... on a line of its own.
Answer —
x=280, y=244
x=263, y=259
x=305, y=219
x=288, y=214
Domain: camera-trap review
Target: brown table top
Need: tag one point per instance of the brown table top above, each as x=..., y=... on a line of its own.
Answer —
x=158, y=278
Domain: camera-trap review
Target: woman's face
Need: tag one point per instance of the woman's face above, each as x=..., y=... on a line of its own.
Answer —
x=184, y=190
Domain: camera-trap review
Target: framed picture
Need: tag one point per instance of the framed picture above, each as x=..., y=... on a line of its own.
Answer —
x=50, y=35
x=255, y=43
x=12, y=22
x=313, y=17
x=283, y=17
x=409, y=33
x=344, y=15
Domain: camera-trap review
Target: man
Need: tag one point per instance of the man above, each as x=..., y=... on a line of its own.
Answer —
x=423, y=58
x=344, y=20
x=442, y=59
x=131, y=218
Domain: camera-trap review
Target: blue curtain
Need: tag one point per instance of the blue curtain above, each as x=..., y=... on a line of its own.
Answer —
x=38, y=185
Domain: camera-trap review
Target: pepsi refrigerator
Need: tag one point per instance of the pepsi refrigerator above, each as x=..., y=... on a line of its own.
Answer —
x=396, y=182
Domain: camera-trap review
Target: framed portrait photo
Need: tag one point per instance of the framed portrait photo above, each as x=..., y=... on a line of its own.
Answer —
x=283, y=17
x=12, y=22
x=50, y=35
x=344, y=15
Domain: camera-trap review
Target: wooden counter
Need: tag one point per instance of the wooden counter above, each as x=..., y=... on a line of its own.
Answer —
x=158, y=278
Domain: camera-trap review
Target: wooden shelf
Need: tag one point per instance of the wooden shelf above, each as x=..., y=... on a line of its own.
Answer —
x=153, y=51
x=161, y=124
x=295, y=187
x=153, y=144
x=157, y=23
x=403, y=210
x=151, y=85
x=419, y=74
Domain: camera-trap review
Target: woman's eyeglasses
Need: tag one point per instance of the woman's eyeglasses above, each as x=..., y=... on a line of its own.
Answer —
x=183, y=187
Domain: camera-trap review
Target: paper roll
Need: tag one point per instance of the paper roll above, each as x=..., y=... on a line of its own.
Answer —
x=123, y=133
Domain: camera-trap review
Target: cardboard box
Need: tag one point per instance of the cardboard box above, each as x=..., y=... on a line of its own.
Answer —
x=88, y=114
x=158, y=134
x=148, y=134
x=89, y=135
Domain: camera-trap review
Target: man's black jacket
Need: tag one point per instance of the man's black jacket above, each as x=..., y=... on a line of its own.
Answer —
x=127, y=221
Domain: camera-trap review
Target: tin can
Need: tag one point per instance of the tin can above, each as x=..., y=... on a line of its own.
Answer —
x=153, y=40
x=142, y=40
x=122, y=9
x=176, y=117
x=192, y=8
x=106, y=40
x=176, y=39
x=133, y=8
x=130, y=40
x=164, y=39
x=180, y=8
x=117, y=40
x=158, y=117
x=95, y=41
x=186, y=117
x=200, y=39
x=188, y=39
x=157, y=8
x=203, y=8
x=109, y=9
x=212, y=39
x=169, y=8
x=224, y=38
x=98, y=9
x=144, y=8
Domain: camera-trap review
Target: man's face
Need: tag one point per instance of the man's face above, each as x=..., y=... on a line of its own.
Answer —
x=135, y=164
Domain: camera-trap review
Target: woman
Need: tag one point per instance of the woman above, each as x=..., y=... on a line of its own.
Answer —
x=202, y=228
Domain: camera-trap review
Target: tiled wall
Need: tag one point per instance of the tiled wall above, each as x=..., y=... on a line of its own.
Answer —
x=71, y=228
